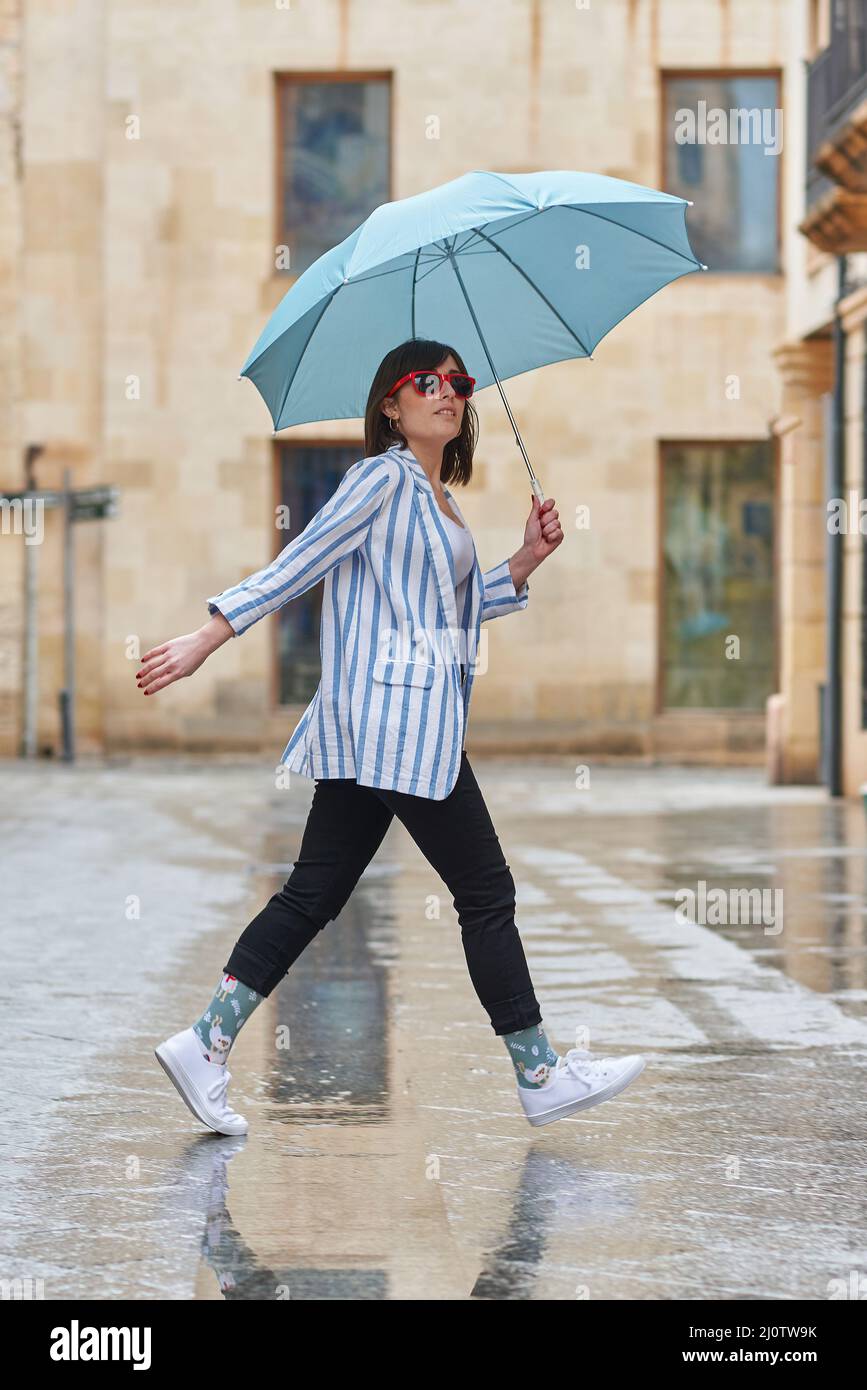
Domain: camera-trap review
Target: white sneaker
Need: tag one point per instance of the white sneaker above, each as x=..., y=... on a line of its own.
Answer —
x=577, y=1081
x=200, y=1083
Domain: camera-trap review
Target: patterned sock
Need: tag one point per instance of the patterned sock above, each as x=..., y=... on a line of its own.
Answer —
x=532, y=1055
x=224, y=1017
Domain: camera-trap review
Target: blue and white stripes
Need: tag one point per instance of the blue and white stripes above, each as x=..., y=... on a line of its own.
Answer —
x=390, y=709
x=337, y=529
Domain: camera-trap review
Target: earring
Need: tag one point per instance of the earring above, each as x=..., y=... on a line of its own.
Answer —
x=392, y=419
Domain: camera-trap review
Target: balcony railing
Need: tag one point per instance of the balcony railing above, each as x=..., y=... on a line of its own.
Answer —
x=836, y=84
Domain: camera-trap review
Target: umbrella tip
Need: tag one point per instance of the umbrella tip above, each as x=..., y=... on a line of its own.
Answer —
x=704, y=267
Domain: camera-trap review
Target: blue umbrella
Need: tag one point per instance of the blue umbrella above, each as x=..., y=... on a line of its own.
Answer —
x=517, y=270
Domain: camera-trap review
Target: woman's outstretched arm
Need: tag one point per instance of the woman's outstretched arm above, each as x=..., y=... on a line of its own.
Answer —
x=339, y=527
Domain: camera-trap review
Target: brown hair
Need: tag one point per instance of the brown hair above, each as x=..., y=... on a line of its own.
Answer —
x=419, y=354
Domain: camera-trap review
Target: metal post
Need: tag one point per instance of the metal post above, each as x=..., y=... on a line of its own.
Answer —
x=31, y=648
x=83, y=504
x=67, y=695
x=834, y=579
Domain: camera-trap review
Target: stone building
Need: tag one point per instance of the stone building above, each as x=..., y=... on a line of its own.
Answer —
x=820, y=727
x=168, y=170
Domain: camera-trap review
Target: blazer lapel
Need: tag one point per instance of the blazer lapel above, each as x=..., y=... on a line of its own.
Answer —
x=427, y=508
x=430, y=519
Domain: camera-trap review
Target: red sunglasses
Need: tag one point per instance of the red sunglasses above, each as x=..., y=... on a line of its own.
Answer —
x=431, y=383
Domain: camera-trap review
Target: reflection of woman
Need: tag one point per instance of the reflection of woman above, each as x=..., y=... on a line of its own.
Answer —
x=383, y=735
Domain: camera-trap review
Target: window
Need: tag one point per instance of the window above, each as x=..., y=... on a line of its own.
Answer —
x=308, y=475
x=334, y=153
x=720, y=134
x=717, y=618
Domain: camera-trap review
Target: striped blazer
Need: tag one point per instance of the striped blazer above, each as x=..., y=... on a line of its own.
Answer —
x=398, y=640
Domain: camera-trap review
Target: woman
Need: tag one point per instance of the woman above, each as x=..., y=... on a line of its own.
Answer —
x=383, y=736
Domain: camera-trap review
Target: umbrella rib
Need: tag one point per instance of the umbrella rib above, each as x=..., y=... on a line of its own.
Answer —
x=440, y=262
x=577, y=207
x=414, y=278
x=393, y=270
x=301, y=356
x=535, y=287
x=476, y=230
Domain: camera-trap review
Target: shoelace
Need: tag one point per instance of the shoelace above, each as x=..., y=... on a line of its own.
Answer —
x=217, y=1090
x=580, y=1063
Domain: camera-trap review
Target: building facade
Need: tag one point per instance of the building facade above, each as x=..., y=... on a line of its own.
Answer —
x=168, y=171
x=820, y=728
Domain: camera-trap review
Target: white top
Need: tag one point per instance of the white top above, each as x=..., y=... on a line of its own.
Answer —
x=462, y=548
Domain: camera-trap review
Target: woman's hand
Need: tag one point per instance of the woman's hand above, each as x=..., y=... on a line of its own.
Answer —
x=542, y=535
x=543, y=532
x=172, y=660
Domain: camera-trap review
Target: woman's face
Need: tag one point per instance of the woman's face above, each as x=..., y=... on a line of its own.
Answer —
x=428, y=420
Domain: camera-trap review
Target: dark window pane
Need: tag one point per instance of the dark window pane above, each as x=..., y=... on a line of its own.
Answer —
x=334, y=162
x=718, y=577
x=734, y=185
x=309, y=475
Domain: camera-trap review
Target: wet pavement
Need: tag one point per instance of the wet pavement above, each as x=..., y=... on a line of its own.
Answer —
x=387, y=1156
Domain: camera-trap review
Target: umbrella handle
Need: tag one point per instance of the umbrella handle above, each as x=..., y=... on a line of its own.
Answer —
x=538, y=489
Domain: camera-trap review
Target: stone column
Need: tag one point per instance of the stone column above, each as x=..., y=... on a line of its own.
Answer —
x=807, y=370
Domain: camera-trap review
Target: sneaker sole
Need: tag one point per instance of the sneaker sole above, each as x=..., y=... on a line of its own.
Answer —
x=546, y=1117
x=179, y=1079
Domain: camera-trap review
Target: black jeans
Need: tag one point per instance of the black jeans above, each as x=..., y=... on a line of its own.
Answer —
x=344, y=829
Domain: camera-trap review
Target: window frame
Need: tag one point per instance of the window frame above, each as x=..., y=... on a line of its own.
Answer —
x=668, y=73
x=664, y=446
x=282, y=79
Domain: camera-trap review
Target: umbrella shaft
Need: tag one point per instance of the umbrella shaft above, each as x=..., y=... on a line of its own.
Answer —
x=538, y=490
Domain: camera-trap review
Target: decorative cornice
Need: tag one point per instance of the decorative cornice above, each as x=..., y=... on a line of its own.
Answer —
x=837, y=223
x=843, y=157
x=806, y=365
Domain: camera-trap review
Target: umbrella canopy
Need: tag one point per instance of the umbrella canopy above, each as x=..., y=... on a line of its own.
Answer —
x=515, y=270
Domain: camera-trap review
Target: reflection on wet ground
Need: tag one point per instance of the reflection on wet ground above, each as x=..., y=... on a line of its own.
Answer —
x=331, y=1007
x=387, y=1156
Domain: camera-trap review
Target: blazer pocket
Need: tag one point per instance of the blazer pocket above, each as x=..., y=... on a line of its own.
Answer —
x=403, y=672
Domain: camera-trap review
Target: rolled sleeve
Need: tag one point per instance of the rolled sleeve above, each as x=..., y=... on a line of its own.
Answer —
x=214, y=606
x=500, y=596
